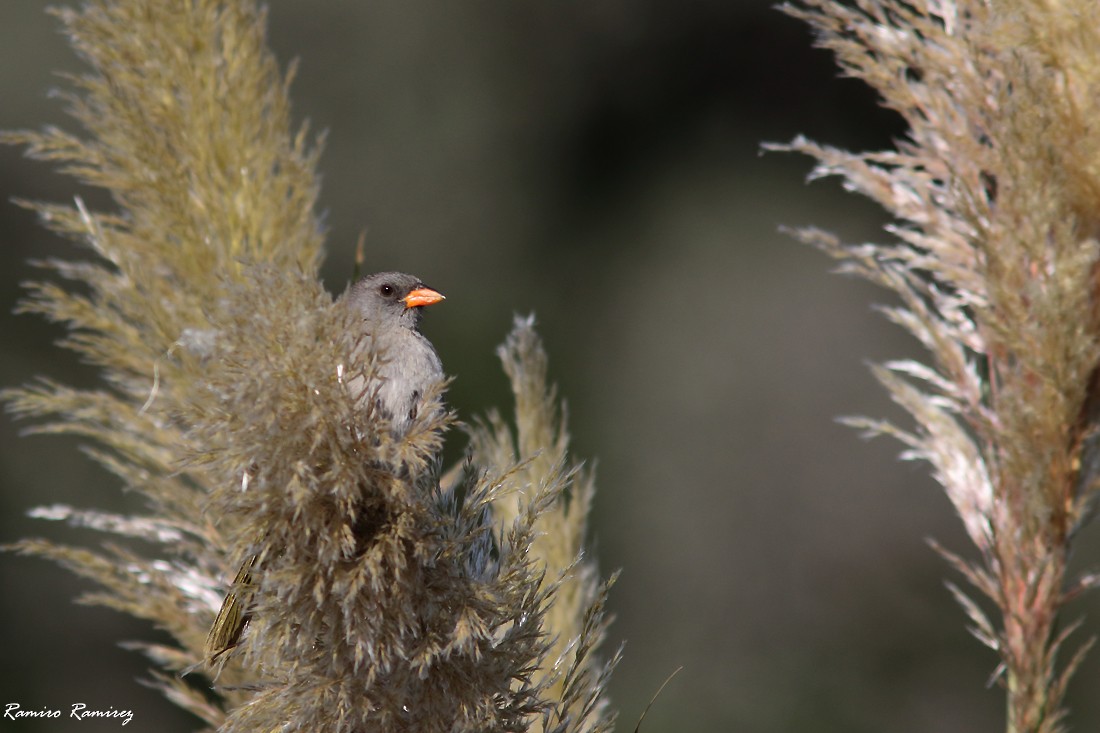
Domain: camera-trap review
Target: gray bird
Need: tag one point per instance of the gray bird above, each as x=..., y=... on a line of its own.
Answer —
x=408, y=367
x=391, y=305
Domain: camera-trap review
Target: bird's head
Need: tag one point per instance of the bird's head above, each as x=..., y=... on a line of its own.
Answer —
x=396, y=297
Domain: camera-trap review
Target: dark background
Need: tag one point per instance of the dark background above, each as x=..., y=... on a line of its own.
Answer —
x=599, y=164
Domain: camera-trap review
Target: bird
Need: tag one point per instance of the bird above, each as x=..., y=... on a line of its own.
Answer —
x=408, y=367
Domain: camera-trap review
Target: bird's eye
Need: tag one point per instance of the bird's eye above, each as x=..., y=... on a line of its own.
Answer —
x=386, y=290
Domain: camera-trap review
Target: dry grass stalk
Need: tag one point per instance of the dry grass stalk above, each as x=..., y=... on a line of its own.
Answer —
x=994, y=194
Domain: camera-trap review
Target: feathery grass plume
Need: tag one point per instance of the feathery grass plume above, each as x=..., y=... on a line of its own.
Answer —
x=540, y=449
x=376, y=599
x=995, y=193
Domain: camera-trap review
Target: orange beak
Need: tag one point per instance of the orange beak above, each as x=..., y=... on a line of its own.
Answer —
x=422, y=296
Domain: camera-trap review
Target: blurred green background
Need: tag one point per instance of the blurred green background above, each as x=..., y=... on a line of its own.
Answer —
x=597, y=163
